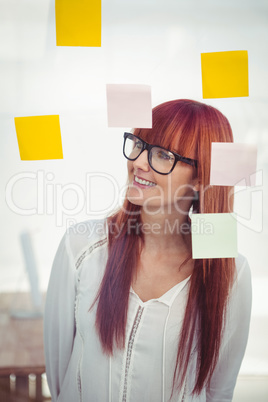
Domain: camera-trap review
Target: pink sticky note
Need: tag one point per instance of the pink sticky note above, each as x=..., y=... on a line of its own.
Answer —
x=129, y=105
x=233, y=164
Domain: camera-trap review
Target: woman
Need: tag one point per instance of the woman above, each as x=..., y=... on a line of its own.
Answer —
x=130, y=316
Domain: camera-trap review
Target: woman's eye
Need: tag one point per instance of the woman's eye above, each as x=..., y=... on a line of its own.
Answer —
x=138, y=145
x=163, y=155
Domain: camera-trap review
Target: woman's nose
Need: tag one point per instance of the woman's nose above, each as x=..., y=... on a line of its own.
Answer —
x=142, y=161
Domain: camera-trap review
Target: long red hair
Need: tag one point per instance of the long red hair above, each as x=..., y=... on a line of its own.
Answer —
x=188, y=128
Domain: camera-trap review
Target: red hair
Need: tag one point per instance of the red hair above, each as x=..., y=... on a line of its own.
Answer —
x=188, y=128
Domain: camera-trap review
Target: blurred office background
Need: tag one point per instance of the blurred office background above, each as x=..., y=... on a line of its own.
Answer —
x=154, y=42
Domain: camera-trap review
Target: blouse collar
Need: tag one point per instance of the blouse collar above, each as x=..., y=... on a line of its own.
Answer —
x=168, y=297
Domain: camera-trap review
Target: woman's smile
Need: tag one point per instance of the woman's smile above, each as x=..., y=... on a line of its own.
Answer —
x=142, y=183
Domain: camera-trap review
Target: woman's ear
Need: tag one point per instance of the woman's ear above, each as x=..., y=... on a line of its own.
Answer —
x=196, y=199
x=196, y=185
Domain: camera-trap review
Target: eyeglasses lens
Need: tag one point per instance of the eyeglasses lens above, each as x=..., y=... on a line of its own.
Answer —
x=161, y=160
x=133, y=147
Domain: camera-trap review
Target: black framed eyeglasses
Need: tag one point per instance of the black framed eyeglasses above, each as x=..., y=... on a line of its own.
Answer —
x=161, y=160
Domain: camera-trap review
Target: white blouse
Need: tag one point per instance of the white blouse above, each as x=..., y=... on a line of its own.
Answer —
x=77, y=370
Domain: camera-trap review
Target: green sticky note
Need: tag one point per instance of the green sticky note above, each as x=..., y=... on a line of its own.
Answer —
x=78, y=22
x=224, y=74
x=214, y=235
x=39, y=137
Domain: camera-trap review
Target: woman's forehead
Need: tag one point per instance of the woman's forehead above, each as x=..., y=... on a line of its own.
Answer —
x=176, y=140
x=157, y=137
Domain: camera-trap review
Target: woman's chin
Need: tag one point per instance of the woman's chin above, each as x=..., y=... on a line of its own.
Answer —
x=150, y=204
x=135, y=199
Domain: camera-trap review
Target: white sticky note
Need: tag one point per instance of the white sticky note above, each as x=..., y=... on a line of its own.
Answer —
x=214, y=235
x=233, y=164
x=129, y=105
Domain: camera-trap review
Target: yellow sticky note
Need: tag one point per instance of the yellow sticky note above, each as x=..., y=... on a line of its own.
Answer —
x=78, y=22
x=39, y=137
x=224, y=74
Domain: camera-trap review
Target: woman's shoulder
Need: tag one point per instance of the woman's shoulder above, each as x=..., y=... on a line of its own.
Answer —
x=242, y=280
x=242, y=266
x=89, y=230
x=85, y=236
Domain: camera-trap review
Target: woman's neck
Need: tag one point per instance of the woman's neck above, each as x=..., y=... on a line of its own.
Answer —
x=166, y=232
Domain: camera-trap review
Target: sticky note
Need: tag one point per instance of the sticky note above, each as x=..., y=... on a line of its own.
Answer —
x=233, y=164
x=78, y=22
x=225, y=74
x=39, y=137
x=129, y=105
x=214, y=235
